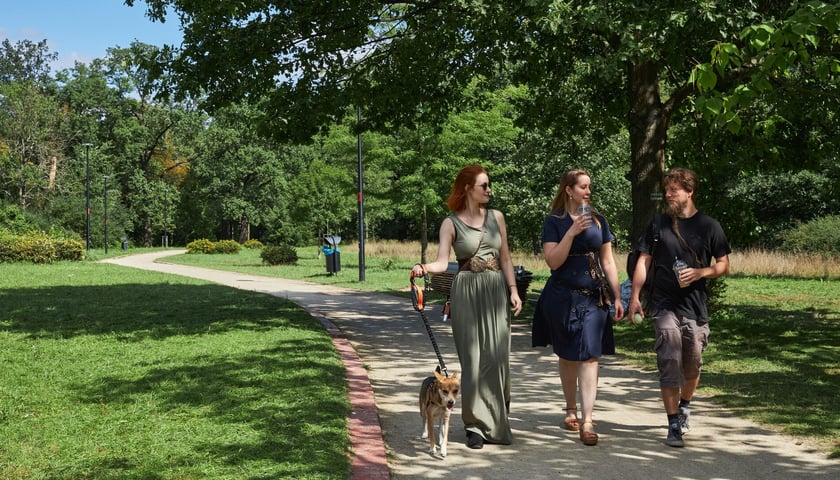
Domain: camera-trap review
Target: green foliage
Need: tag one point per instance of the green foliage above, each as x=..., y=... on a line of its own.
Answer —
x=819, y=236
x=25, y=61
x=13, y=219
x=69, y=249
x=716, y=289
x=253, y=243
x=201, y=246
x=279, y=255
x=38, y=247
x=227, y=246
x=765, y=205
x=795, y=50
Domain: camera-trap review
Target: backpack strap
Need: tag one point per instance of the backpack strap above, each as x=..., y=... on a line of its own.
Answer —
x=657, y=218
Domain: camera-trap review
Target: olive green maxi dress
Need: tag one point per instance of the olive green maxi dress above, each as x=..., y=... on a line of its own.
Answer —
x=481, y=319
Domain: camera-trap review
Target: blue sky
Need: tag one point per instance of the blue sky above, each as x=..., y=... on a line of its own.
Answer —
x=81, y=30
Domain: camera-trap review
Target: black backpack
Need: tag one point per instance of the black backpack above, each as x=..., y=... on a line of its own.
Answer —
x=633, y=258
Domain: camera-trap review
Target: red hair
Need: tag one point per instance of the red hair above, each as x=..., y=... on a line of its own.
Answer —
x=466, y=177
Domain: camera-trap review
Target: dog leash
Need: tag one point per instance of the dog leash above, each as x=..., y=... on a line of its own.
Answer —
x=417, y=300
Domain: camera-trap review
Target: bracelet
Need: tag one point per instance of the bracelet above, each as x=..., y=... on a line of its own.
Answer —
x=512, y=286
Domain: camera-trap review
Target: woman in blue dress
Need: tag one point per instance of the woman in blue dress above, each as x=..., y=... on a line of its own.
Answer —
x=572, y=313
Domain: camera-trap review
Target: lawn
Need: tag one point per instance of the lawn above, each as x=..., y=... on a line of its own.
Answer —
x=115, y=373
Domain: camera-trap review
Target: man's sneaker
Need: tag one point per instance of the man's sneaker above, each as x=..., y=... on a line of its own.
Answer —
x=674, y=436
x=684, y=425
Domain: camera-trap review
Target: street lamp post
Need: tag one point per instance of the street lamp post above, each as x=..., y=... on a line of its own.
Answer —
x=87, y=193
x=105, y=207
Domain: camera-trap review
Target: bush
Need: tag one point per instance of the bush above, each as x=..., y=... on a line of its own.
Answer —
x=819, y=236
x=253, y=243
x=38, y=247
x=13, y=219
x=69, y=249
x=227, y=246
x=279, y=255
x=201, y=246
x=7, y=247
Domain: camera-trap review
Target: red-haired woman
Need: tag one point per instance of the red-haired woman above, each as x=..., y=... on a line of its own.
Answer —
x=483, y=294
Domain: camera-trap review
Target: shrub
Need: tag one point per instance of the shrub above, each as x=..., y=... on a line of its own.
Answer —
x=69, y=249
x=227, y=246
x=7, y=246
x=279, y=255
x=201, y=246
x=819, y=236
x=716, y=288
x=253, y=243
x=35, y=247
x=13, y=219
x=38, y=247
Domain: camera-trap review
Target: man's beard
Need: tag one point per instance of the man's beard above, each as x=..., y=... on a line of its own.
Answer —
x=675, y=208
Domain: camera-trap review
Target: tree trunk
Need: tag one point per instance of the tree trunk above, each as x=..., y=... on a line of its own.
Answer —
x=244, y=229
x=648, y=126
x=147, y=232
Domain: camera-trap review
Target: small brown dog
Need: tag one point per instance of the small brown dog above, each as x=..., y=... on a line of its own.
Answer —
x=437, y=401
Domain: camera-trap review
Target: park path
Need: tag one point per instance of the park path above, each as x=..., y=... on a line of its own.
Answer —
x=388, y=338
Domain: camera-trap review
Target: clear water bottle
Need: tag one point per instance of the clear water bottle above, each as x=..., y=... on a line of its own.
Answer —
x=679, y=266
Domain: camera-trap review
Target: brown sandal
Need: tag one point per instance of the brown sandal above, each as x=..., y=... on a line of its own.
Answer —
x=571, y=422
x=588, y=438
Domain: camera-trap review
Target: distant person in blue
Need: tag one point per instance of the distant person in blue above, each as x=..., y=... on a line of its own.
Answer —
x=573, y=311
x=679, y=298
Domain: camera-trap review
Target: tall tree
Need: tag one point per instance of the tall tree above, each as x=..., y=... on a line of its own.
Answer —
x=238, y=171
x=25, y=60
x=409, y=62
x=142, y=137
x=32, y=135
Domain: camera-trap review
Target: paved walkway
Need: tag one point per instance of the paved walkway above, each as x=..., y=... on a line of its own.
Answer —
x=389, y=342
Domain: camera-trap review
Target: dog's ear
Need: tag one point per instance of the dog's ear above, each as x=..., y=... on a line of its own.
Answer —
x=454, y=375
x=439, y=376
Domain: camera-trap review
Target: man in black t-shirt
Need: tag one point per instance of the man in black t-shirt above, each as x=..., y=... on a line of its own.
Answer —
x=682, y=261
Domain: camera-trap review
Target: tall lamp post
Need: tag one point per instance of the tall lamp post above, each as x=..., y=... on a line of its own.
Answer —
x=105, y=207
x=361, y=201
x=87, y=193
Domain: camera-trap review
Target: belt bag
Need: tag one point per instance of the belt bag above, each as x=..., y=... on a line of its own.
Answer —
x=475, y=264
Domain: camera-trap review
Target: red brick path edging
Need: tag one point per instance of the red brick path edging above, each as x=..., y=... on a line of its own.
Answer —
x=368, y=456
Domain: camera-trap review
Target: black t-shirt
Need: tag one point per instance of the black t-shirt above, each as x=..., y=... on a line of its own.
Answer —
x=705, y=237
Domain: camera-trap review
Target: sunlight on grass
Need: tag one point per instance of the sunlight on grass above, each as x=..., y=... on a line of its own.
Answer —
x=112, y=372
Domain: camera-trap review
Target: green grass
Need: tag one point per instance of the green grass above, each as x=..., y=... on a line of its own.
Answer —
x=774, y=353
x=109, y=372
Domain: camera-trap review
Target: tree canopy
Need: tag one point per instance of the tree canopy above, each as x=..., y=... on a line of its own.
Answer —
x=409, y=63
